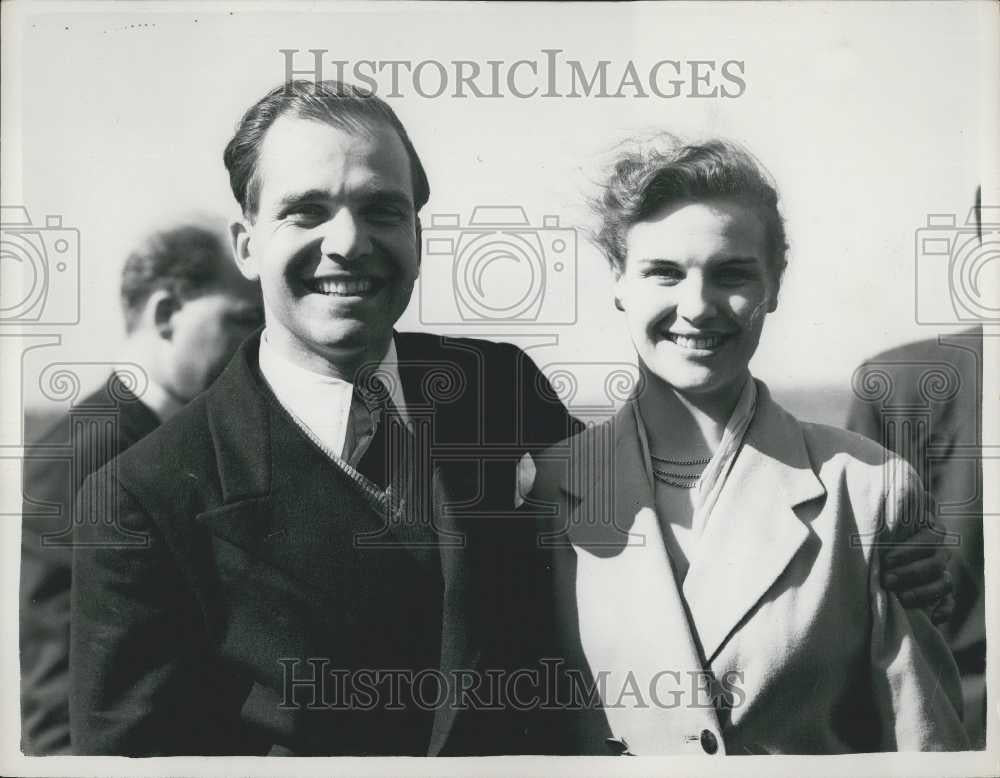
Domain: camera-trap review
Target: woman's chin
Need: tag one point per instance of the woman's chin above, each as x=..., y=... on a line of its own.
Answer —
x=694, y=382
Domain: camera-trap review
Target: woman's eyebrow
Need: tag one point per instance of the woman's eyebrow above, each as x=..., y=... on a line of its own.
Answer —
x=728, y=259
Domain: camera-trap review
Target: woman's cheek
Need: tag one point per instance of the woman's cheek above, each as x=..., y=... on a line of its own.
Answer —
x=748, y=310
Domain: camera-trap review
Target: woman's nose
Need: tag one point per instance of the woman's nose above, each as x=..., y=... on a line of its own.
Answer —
x=344, y=236
x=694, y=300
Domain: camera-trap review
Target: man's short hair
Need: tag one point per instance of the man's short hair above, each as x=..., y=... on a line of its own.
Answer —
x=187, y=261
x=338, y=104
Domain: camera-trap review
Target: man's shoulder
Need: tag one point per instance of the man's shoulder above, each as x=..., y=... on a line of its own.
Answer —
x=172, y=454
x=430, y=345
x=479, y=361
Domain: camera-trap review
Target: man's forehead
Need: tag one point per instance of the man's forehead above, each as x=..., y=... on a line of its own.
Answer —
x=302, y=153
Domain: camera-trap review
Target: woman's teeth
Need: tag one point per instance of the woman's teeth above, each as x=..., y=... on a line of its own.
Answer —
x=342, y=287
x=698, y=342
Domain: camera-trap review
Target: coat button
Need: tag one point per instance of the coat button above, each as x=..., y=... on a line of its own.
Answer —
x=709, y=742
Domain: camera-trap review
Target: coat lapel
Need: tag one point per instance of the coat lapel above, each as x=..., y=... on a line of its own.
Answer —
x=419, y=370
x=632, y=623
x=459, y=652
x=754, y=531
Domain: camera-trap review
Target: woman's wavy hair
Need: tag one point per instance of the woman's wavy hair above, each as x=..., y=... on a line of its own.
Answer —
x=654, y=174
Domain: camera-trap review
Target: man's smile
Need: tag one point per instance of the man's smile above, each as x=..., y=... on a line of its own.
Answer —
x=345, y=286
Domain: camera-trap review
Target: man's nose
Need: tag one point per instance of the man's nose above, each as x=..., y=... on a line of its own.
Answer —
x=695, y=301
x=345, y=236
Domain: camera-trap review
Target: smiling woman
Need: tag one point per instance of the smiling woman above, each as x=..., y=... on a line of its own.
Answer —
x=737, y=541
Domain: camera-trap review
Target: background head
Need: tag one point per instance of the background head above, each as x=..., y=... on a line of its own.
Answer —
x=329, y=185
x=697, y=247
x=183, y=298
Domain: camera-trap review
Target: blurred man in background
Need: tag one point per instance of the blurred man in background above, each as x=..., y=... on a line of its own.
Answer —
x=186, y=309
x=932, y=417
x=941, y=439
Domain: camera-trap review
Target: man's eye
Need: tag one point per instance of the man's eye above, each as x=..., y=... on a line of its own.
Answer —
x=305, y=212
x=665, y=275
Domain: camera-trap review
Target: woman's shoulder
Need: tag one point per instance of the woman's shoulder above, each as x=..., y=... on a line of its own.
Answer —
x=851, y=447
x=854, y=470
x=879, y=484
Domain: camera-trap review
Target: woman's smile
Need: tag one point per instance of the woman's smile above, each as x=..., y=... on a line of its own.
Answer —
x=697, y=343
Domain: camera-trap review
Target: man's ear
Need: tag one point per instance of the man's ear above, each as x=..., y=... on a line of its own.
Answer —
x=239, y=240
x=159, y=312
x=617, y=275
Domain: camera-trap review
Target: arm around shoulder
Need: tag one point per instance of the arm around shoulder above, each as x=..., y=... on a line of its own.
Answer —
x=915, y=678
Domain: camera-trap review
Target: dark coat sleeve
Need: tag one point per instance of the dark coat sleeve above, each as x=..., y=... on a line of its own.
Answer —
x=134, y=634
x=546, y=420
x=44, y=607
x=54, y=469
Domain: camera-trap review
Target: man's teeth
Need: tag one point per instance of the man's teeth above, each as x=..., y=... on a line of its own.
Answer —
x=344, y=287
x=700, y=342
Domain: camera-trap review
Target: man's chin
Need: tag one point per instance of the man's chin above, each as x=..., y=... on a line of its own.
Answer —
x=348, y=342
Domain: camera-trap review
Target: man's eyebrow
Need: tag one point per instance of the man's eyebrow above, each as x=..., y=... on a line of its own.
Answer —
x=294, y=198
x=372, y=194
x=385, y=195
x=719, y=260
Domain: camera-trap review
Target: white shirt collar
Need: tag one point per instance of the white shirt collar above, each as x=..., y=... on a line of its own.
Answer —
x=322, y=403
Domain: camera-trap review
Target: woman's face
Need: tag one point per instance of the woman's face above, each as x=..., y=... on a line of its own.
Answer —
x=695, y=289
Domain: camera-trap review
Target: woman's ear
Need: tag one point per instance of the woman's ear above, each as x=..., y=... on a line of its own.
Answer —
x=420, y=242
x=239, y=236
x=772, y=300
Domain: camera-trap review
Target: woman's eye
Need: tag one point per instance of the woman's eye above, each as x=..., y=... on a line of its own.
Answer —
x=735, y=276
x=385, y=214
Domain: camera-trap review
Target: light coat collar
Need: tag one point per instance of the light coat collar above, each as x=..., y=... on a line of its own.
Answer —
x=754, y=531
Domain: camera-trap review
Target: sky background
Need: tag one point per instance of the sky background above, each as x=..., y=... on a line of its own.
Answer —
x=869, y=117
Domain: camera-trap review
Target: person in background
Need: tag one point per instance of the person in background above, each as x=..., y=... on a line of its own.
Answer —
x=932, y=416
x=186, y=310
x=940, y=436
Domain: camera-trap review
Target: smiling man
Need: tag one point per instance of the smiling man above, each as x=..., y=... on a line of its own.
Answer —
x=329, y=531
